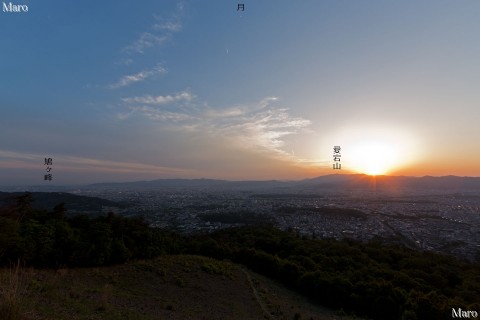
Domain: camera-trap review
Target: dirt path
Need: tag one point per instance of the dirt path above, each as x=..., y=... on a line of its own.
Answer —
x=260, y=301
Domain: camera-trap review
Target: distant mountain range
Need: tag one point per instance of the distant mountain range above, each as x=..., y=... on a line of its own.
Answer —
x=362, y=181
x=194, y=183
x=333, y=182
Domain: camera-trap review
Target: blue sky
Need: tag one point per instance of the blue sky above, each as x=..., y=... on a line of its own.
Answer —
x=116, y=91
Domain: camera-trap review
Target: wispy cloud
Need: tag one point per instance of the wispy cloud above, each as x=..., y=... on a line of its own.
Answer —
x=159, y=108
x=145, y=40
x=262, y=129
x=15, y=160
x=140, y=76
x=159, y=100
x=172, y=26
x=259, y=126
x=160, y=31
x=172, y=23
x=12, y=160
x=82, y=163
x=162, y=115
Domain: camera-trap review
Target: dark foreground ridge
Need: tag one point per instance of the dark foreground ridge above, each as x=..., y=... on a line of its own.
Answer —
x=368, y=279
x=176, y=287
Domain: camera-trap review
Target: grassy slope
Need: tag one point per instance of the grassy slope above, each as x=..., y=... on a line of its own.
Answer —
x=170, y=287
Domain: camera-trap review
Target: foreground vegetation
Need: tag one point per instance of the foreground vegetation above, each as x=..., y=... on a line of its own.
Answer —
x=371, y=280
x=170, y=287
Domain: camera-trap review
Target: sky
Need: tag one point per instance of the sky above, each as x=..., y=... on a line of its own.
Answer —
x=123, y=91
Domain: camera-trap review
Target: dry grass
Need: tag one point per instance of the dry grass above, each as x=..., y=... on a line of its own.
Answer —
x=171, y=287
x=12, y=284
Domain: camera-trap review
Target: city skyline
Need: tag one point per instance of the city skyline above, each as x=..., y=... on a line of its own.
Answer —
x=210, y=90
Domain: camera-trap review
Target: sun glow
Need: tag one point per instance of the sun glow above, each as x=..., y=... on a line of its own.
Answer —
x=374, y=158
x=377, y=149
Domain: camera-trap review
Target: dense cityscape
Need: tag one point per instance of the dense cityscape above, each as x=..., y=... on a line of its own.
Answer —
x=433, y=221
x=408, y=247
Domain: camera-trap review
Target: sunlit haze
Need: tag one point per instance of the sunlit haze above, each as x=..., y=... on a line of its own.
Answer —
x=200, y=89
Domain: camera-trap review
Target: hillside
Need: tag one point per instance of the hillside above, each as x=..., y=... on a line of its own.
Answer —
x=375, y=280
x=48, y=200
x=169, y=287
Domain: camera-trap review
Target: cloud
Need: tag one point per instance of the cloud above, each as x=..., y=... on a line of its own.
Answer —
x=266, y=101
x=263, y=130
x=141, y=76
x=159, y=108
x=172, y=23
x=144, y=41
x=14, y=160
x=261, y=126
x=18, y=160
x=162, y=115
x=225, y=113
x=91, y=164
x=159, y=100
x=159, y=33
x=172, y=26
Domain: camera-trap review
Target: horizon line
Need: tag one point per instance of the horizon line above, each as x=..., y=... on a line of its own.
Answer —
x=233, y=180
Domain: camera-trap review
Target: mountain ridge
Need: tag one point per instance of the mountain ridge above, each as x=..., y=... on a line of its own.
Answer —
x=348, y=181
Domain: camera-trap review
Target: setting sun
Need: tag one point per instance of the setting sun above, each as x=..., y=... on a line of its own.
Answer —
x=377, y=149
x=374, y=158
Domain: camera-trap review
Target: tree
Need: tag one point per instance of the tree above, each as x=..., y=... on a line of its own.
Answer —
x=24, y=206
x=59, y=211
